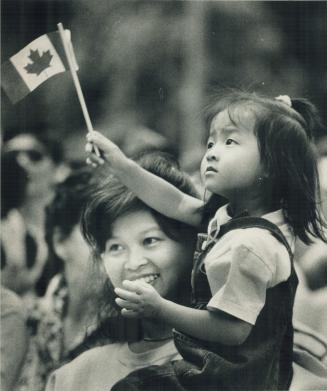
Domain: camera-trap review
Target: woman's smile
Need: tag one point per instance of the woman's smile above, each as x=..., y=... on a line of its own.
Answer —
x=139, y=250
x=148, y=278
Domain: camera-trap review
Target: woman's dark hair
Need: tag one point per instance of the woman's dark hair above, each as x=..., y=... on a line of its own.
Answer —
x=285, y=141
x=112, y=200
x=13, y=183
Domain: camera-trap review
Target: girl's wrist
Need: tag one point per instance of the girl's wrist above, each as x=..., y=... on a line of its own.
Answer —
x=161, y=308
x=121, y=164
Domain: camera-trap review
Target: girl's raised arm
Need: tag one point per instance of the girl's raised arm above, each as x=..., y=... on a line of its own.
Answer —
x=151, y=189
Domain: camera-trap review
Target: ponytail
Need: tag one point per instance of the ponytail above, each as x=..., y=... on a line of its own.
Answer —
x=312, y=123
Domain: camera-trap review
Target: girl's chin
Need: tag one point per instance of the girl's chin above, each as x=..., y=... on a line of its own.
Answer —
x=212, y=187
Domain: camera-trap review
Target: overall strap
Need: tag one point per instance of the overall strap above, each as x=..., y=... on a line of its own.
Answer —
x=256, y=222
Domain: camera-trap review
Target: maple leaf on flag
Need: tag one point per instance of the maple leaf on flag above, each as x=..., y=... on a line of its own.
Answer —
x=39, y=63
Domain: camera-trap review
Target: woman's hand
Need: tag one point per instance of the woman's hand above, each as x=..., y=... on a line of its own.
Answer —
x=110, y=152
x=139, y=299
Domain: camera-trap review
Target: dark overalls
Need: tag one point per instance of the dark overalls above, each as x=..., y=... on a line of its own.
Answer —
x=262, y=362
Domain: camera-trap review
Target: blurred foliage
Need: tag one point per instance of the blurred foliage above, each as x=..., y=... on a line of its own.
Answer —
x=151, y=64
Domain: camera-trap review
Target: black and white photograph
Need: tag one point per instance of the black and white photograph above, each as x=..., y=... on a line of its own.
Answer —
x=163, y=195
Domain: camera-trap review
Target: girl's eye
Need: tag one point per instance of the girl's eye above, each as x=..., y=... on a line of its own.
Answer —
x=210, y=145
x=150, y=241
x=230, y=141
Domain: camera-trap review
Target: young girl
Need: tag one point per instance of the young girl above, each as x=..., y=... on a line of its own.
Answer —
x=239, y=334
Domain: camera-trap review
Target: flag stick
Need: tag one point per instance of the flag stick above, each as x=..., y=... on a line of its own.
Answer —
x=77, y=84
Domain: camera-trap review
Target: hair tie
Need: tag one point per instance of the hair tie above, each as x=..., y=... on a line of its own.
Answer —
x=285, y=99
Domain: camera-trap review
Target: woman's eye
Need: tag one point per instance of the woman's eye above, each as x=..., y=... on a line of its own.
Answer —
x=230, y=141
x=210, y=145
x=150, y=241
x=114, y=248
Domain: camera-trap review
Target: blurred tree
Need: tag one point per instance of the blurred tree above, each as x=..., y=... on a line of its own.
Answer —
x=151, y=63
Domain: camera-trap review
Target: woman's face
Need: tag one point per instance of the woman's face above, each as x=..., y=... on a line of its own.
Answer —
x=139, y=250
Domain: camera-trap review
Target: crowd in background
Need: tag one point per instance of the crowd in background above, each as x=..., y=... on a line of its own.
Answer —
x=51, y=290
x=153, y=63
x=146, y=73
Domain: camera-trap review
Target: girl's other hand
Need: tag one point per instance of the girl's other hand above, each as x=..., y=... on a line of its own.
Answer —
x=138, y=299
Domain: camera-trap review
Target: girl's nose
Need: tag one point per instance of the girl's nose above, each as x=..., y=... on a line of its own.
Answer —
x=211, y=155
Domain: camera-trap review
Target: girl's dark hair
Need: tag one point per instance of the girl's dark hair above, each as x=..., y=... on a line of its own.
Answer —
x=285, y=141
x=112, y=200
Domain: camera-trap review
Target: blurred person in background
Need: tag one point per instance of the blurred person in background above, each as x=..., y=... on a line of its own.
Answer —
x=14, y=338
x=31, y=165
x=132, y=240
x=65, y=322
x=137, y=138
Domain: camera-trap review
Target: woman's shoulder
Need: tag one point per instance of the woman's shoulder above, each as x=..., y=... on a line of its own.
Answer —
x=90, y=357
x=92, y=362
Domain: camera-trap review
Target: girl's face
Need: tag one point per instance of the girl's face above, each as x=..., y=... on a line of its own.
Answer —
x=231, y=165
x=139, y=250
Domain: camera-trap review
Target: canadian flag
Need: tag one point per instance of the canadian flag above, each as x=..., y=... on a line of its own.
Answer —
x=35, y=63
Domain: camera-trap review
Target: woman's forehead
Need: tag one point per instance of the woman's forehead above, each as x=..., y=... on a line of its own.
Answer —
x=139, y=220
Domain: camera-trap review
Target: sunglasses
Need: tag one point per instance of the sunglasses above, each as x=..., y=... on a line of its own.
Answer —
x=33, y=155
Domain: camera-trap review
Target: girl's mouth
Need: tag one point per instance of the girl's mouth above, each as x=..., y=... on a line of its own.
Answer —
x=211, y=169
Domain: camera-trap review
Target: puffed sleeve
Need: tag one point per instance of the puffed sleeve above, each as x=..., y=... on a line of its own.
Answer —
x=239, y=277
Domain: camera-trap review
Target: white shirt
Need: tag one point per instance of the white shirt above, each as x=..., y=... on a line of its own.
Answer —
x=244, y=263
x=98, y=369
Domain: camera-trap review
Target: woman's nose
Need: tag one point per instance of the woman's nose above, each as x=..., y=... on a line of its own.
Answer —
x=136, y=259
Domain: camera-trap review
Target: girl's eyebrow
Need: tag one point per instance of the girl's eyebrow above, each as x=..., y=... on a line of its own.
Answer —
x=226, y=130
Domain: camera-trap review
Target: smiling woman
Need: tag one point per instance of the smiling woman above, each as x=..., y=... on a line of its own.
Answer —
x=139, y=249
x=135, y=243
